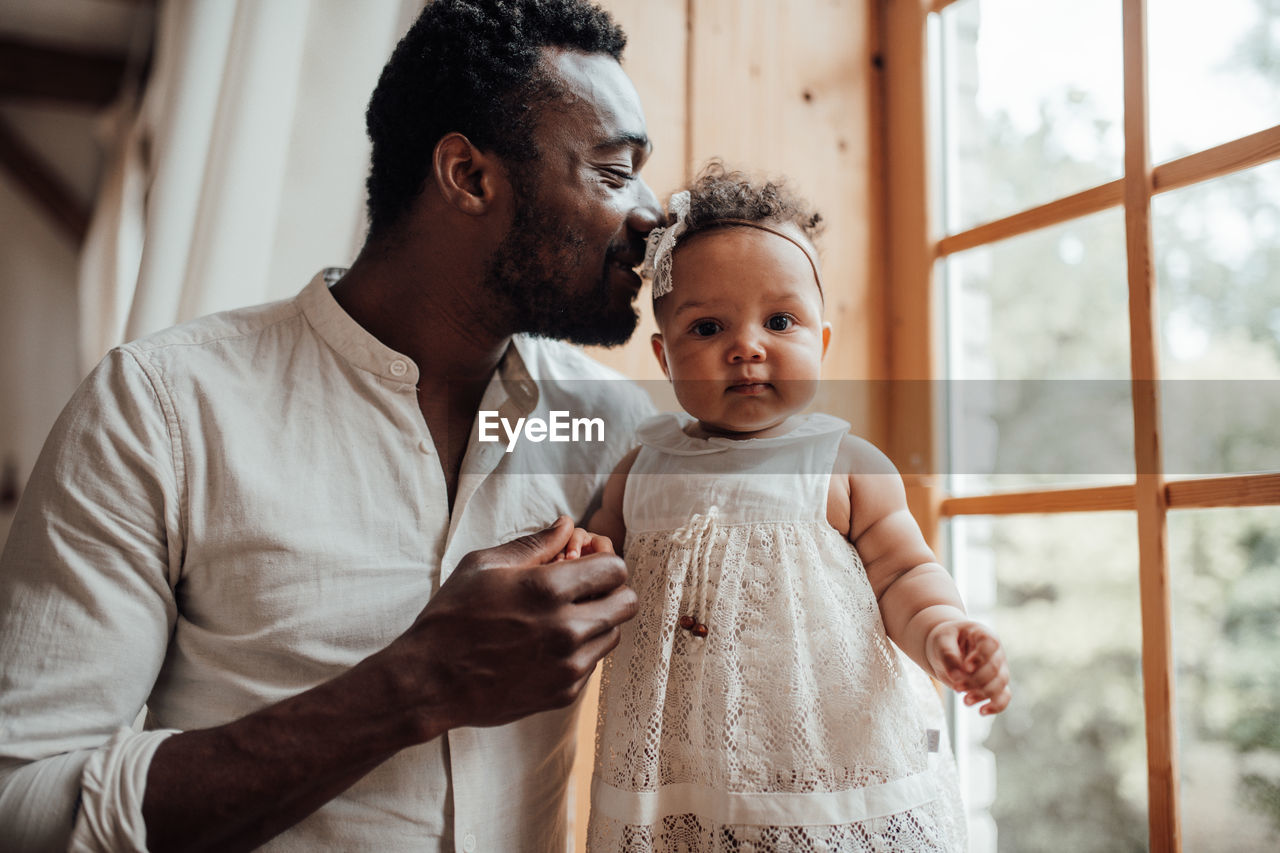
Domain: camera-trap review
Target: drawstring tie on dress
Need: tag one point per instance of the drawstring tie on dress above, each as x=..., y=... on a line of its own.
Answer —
x=698, y=535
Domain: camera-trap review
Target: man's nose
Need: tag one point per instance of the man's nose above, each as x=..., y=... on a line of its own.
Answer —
x=647, y=213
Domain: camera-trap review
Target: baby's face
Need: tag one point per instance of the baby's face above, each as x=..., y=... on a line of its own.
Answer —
x=741, y=332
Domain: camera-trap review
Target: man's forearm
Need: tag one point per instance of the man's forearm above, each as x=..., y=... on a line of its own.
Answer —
x=236, y=786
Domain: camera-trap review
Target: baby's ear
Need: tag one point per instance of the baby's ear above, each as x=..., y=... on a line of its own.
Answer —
x=660, y=351
x=826, y=338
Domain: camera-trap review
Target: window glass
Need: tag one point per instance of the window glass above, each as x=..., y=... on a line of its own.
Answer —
x=1214, y=76
x=1064, y=767
x=1037, y=355
x=1217, y=248
x=1031, y=106
x=1225, y=574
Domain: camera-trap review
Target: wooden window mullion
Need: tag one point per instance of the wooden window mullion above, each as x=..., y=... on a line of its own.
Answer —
x=1150, y=495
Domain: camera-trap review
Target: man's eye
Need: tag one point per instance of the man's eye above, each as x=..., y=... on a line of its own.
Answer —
x=705, y=328
x=779, y=322
x=620, y=174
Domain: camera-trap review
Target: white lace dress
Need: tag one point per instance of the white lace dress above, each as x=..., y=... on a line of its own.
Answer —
x=794, y=723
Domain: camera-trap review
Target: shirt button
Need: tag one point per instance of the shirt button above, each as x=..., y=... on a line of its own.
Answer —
x=469, y=843
x=398, y=368
x=425, y=446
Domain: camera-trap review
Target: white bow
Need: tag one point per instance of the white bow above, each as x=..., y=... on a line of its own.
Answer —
x=662, y=242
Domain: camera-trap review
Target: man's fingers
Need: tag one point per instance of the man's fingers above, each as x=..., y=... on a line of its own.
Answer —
x=587, y=577
x=532, y=549
x=599, y=615
x=593, y=651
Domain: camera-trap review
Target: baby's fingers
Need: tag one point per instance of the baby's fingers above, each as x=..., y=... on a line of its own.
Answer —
x=599, y=545
x=998, y=700
x=994, y=689
x=949, y=664
x=578, y=542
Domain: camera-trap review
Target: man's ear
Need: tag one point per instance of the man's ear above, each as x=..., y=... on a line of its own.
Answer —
x=661, y=352
x=826, y=338
x=468, y=178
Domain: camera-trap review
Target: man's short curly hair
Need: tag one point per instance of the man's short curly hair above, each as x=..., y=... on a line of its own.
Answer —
x=718, y=193
x=470, y=66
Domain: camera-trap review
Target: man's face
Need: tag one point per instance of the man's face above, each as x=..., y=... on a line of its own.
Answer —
x=566, y=267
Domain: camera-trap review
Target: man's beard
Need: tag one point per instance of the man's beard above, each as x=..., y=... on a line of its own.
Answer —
x=528, y=272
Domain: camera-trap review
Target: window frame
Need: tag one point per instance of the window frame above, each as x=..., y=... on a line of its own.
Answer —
x=912, y=252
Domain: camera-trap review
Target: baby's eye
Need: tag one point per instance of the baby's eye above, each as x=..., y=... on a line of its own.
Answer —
x=779, y=322
x=705, y=328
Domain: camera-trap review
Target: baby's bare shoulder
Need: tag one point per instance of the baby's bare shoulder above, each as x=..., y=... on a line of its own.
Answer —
x=864, y=486
x=859, y=457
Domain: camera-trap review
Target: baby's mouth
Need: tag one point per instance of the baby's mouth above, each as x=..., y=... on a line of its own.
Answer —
x=749, y=388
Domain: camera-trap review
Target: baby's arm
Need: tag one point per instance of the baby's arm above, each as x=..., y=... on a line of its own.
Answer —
x=919, y=602
x=605, y=531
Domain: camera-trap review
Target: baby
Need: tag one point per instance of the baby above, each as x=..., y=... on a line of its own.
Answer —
x=755, y=703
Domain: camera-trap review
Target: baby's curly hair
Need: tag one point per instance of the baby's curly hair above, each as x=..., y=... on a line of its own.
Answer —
x=470, y=66
x=719, y=193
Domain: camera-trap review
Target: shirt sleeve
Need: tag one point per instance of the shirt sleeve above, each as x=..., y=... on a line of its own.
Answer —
x=86, y=611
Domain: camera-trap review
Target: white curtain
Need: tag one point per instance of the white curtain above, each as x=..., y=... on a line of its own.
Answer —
x=241, y=172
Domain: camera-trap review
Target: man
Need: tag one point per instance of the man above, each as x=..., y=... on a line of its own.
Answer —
x=268, y=525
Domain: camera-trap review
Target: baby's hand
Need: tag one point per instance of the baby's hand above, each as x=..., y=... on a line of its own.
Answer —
x=584, y=542
x=967, y=657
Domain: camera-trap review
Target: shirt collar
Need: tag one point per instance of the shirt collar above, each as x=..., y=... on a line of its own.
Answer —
x=517, y=374
x=516, y=371
x=347, y=337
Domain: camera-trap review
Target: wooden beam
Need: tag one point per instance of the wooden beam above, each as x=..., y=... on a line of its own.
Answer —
x=43, y=184
x=52, y=73
x=1149, y=494
x=1242, y=153
x=1240, y=490
x=1089, y=499
x=1201, y=493
x=1074, y=206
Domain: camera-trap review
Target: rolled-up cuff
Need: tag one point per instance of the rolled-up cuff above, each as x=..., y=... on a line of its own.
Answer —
x=111, y=790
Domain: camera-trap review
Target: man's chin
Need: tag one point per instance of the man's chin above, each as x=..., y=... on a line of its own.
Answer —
x=607, y=332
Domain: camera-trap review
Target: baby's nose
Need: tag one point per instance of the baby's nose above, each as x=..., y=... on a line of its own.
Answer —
x=747, y=348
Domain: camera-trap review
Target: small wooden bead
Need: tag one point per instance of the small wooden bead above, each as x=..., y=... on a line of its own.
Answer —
x=687, y=622
x=699, y=630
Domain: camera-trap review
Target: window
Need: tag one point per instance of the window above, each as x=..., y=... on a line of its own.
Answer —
x=1097, y=254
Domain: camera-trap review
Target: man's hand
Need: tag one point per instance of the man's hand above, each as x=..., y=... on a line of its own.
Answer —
x=513, y=631
x=967, y=657
x=509, y=633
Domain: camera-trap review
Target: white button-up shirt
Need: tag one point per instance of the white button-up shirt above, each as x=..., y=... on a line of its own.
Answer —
x=237, y=509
